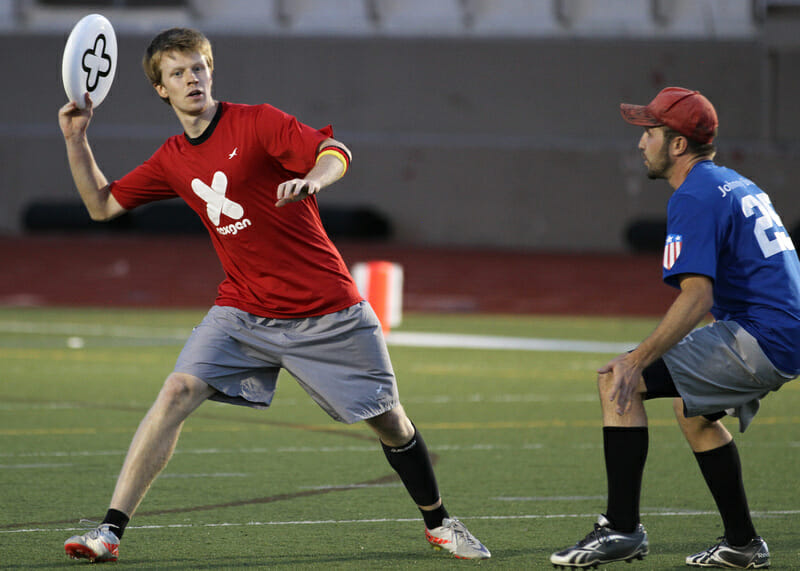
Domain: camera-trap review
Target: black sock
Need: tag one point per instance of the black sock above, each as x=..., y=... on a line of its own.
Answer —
x=722, y=471
x=117, y=520
x=412, y=462
x=434, y=518
x=625, y=453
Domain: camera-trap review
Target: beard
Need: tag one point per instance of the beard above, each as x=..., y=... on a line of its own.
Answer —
x=659, y=165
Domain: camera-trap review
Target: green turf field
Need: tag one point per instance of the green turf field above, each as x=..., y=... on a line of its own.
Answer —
x=515, y=433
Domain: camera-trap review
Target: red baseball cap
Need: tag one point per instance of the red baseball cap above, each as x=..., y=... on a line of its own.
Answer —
x=687, y=112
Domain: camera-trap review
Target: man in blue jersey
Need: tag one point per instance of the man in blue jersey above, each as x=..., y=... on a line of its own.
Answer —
x=729, y=254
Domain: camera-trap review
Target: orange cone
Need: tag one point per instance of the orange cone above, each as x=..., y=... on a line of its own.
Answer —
x=381, y=284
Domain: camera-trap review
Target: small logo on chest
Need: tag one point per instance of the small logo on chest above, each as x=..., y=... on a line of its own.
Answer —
x=233, y=153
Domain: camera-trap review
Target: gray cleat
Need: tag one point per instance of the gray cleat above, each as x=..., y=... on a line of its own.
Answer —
x=98, y=545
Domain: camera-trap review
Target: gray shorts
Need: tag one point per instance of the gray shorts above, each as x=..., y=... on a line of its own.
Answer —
x=340, y=359
x=721, y=367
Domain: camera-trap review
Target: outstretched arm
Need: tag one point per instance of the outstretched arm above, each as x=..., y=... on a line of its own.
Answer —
x=330, y=167
x=89, y=179
x=693, y=303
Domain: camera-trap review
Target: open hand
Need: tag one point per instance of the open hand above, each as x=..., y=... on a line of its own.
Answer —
x=626, y=379
x=296, y=189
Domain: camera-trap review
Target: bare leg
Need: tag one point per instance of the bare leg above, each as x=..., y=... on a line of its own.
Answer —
x=393, y=427
x=156, y=437
x=635, y=416
x=701, y=433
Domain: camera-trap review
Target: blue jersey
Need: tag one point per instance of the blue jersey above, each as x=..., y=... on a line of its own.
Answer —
x=721, y=225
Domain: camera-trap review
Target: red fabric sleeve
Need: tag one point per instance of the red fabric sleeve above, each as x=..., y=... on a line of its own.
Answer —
x=146, y=183
x=293, y=144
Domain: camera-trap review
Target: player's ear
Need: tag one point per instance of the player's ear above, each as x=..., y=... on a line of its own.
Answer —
x=679, y=145
x=162, y=93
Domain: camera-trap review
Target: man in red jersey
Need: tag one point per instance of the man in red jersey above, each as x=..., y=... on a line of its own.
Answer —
x=287, y=302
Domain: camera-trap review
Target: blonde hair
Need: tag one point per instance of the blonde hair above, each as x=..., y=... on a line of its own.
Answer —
x=174, y=39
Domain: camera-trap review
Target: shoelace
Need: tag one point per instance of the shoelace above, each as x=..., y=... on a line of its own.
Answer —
x=595, y=534
x=461, y=530
x=92, y=525
x=714, y=548
x=89, y=523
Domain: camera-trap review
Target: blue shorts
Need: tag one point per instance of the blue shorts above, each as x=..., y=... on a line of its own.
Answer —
x=340, y=359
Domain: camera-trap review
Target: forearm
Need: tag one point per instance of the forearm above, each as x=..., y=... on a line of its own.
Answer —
x=90, y=181
x=332, y=163
x=327, y=171
x=691, y=306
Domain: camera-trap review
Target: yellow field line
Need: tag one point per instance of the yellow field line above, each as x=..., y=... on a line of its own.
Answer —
x=106, y=355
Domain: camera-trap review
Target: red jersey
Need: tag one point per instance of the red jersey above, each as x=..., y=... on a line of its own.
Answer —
x=278, y=262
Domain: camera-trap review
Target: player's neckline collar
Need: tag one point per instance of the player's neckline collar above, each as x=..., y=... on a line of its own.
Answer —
x=209, y=130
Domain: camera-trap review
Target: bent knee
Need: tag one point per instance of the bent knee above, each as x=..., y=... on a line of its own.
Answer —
x=605, y=382
x=694, y=424
x=678, y=409
x=393, y=427
x=182, y=388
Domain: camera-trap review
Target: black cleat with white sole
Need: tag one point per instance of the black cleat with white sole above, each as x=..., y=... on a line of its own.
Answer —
x=603, y=545
x=754, y=555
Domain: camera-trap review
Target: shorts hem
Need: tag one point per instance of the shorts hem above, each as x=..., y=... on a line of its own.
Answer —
x=356, y=419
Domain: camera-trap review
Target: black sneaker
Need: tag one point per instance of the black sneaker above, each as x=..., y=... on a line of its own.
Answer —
x=754, y=555
x=603, y=545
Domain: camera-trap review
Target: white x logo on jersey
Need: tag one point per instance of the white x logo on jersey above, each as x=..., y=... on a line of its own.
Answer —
x=214, y=196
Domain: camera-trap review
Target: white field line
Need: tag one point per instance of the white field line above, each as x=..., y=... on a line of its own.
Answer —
x=77, y=454
x=279, y=450
x=415, y=521
x=546, y=498
x=213, y=475
x=33, y=466
x=397, y=338
x=473, y=398
x=456, y=341
x=249, y=451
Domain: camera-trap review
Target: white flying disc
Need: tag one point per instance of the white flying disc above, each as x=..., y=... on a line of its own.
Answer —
x=90, y=60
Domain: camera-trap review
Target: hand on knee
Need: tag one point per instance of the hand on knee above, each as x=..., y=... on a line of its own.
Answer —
x=605, y=382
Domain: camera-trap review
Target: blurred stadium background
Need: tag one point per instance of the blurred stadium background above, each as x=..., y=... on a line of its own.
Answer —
x=488, y=124
x=490, y=162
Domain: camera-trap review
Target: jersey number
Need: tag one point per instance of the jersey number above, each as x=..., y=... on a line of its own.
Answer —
x=768, y=223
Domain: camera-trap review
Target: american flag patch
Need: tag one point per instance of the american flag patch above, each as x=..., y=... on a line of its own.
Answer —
x=672, y=249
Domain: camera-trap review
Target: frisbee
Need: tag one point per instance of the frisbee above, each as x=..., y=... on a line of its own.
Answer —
x=90, y=60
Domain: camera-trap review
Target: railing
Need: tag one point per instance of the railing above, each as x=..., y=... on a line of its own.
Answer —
x=481, y=18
